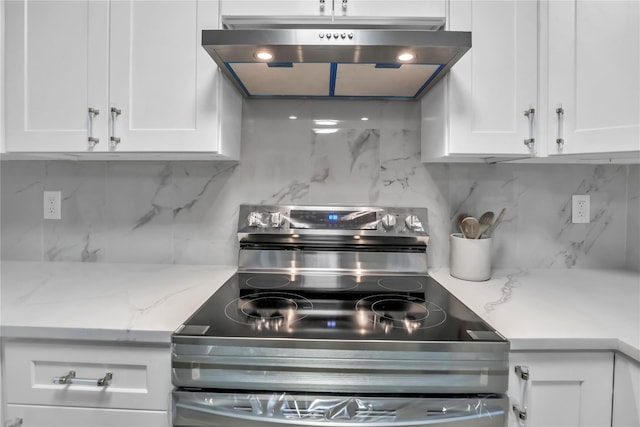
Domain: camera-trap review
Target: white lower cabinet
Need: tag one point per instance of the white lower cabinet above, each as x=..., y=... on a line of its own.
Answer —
x=563, y=389
x=626, y=393
x=53, y=416
x=86, y=384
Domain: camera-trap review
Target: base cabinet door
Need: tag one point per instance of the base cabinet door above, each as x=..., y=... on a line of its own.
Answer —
x=52, y=416
x=567, y=389
x=626, y=393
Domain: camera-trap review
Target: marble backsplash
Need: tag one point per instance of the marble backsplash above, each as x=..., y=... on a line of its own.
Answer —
x=185, y=212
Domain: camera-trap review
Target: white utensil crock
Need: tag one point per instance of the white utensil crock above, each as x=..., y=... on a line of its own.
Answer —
x=470, y=259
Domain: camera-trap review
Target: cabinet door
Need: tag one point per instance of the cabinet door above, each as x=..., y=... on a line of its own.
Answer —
x=564, y=389
x=56, y=68
x=594, y=75
x=2, y=148
x=276, y=8
x=58, y=416
x=478, y=110
x=390, y=8
x=169, y=94
x=626, y=393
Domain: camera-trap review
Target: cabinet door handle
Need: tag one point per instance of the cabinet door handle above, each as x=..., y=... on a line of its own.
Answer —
x=531, y=141
x=115, y=112
x=520, y=410
x=560, y=139
x=70, y=378
x=91, y=139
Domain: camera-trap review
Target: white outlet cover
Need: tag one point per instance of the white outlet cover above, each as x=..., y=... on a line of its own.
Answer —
x=580, y=208
x=52, y=205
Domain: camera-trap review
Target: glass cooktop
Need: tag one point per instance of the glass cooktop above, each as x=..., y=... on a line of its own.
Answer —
x=340, y=307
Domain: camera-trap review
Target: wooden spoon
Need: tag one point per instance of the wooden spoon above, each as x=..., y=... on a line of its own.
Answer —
x=460, y=218
x=470, y=227
x=493, y=226
x=485, y=222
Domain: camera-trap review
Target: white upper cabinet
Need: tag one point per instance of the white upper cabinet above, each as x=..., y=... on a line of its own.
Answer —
x=56, y=69
x=167, y=93
x=2, y=148
x=117, y=77
x=261, y=8
x=477, y=111
x=593, y=76
x=310, y=9
x=390, y=8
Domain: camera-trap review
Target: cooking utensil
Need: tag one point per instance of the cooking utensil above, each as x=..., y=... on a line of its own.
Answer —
x=470, y=227
x=489, y=231
x=485, y=222
x=461, y=217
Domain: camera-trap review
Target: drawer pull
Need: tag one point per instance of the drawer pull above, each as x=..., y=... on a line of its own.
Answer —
x=66, y=379
x=70, y=378
x=106, y=380
x=16, y=422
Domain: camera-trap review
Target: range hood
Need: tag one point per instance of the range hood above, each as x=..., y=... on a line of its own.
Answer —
x=401, y=60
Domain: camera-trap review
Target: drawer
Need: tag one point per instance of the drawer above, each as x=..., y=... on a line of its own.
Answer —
x=141, y=375
x=55, y=416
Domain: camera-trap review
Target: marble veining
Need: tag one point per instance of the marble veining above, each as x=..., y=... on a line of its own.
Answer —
x=89, y=255
x=506, y=292
x=188, y=205
x=399, y=170
x=186, y=212
x=292, y=193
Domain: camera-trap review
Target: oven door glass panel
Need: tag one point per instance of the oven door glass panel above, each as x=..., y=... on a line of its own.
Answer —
x=284, y=409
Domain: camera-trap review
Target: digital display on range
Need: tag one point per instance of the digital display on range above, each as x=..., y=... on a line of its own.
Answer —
x=333, y=220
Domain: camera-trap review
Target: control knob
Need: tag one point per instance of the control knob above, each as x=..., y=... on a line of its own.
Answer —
x=276, y=219
x=255, y=220
x=388, y=222
x=413, y=223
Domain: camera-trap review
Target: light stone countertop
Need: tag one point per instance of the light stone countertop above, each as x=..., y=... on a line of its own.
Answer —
x=560, y=309
x=101, y=301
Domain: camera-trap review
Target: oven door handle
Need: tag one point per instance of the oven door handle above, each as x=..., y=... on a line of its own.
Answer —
x=195, y=409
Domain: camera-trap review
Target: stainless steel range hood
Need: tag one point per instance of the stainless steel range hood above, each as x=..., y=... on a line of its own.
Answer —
x=343, y=60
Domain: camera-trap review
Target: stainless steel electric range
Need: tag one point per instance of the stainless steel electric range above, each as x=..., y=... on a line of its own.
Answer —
x=332, y=320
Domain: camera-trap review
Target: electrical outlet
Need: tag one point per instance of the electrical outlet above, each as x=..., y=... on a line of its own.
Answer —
x=580, y=207
x=52, y=205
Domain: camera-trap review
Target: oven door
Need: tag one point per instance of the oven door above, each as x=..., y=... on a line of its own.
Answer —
x=198, y=408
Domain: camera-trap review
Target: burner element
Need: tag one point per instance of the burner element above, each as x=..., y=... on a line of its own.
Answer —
x=400, y=284
x=392, y=311
x=268, y=281
x=268, y=310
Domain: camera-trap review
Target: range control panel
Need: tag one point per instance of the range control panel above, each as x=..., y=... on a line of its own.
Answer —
x=338, y=220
